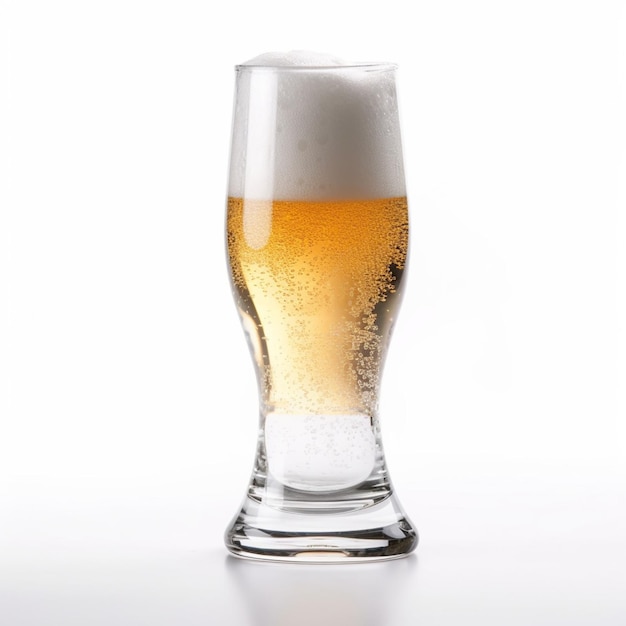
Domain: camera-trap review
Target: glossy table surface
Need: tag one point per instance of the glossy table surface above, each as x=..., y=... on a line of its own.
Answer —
x=496, y=547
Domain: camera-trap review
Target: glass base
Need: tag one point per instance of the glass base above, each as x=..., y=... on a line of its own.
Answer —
x=362, y=523
x=306, y=503
x=374, y=533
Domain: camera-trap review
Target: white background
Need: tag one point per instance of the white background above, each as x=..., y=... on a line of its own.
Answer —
x=127, y=396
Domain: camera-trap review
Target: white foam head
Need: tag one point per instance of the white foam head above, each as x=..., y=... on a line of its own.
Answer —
x=295, y=58
x=311, y=126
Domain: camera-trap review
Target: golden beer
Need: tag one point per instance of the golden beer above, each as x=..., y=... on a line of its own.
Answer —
x=318, y=285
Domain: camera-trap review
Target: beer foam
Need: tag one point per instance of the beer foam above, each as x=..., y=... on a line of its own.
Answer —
x=310, y=126
x=319, y=452
x=295, y=58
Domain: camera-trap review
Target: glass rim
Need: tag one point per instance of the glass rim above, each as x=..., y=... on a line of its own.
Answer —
x=368, y=66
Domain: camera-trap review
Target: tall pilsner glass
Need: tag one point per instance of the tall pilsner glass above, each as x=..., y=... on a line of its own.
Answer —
x=317, y=235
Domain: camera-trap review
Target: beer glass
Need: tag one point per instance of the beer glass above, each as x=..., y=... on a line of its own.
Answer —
x=317, y=239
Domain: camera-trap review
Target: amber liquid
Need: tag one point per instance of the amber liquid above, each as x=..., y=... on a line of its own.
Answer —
x=318, y=286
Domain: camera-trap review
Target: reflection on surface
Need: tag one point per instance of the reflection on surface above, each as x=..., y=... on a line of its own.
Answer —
x=280, y=594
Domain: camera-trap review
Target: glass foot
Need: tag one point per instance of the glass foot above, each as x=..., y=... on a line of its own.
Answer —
x=322, y=532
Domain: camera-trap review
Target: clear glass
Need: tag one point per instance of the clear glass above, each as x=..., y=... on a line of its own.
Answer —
x=317, y=238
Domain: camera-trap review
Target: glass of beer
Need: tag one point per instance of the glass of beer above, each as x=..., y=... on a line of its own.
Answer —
x=317, y=238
